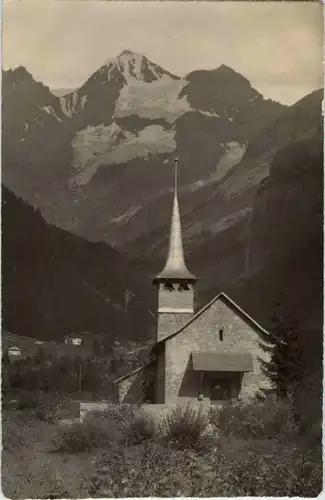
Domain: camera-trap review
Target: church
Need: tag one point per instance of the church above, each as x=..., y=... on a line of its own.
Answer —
x=211, y=355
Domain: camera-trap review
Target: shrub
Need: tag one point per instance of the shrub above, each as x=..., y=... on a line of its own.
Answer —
x=85, y=436
x=18, y=429
x=118, y=416
x=12, y=435
x=184, y=428
x=43, y=406
x=142, y=427
x=270, y=420
x=308, y=480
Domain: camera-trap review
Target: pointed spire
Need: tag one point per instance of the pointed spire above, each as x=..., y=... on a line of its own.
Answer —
x=175, y=267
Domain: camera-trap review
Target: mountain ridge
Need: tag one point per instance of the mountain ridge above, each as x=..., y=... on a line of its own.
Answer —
x=104, y=171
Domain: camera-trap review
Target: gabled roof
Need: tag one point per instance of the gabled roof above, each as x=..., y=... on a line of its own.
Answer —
x=129, y=374
x=226, y=299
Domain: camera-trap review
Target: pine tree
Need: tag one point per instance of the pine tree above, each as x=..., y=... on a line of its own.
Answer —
x=286, y=364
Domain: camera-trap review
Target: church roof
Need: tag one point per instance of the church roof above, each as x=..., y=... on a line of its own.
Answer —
x=175, y=267
x=129, y=374
x=149, y=364
x=226, y=299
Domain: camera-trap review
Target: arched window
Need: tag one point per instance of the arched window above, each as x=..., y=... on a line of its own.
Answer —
x=168, y=286
x=221, y=330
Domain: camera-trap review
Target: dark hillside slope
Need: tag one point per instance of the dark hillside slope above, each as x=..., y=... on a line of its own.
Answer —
x=286, y=245
x=54, y=283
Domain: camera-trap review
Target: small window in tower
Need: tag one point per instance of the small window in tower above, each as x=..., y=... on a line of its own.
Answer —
x=168, y=286
x=221, y=334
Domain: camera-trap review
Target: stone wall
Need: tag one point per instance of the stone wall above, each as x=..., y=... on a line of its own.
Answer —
x=160, y=411
x=160, y=377
x=89, y=406
x=175, y=299
x=169, y=323
x=156, y=411
x=203, y=335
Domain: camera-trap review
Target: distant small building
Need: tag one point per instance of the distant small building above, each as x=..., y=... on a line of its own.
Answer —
x=73, y=339
x=212, y=355
x=14, y=351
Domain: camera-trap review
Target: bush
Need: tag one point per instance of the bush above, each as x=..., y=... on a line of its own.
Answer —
x=20, y=429
x=119, y=416
x=12, y=435
x=142, y=427
x=268, y=420
x=128, y=423
x=184, y=428
x=85, y=436
x=43, y=406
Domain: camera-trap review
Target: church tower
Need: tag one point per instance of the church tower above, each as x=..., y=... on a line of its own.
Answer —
x=175, y=283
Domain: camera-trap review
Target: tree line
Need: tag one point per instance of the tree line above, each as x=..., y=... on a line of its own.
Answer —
x=66, y=374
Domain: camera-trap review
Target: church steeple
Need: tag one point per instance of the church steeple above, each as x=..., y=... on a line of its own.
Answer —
x=175, y=268
x=175, y=283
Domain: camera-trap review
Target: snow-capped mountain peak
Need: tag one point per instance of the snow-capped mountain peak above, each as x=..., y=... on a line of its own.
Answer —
x=133, y=66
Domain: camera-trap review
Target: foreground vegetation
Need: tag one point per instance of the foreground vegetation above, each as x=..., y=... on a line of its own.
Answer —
x=243, y=450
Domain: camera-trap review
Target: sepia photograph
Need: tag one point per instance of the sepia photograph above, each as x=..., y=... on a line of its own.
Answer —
x=162, y=249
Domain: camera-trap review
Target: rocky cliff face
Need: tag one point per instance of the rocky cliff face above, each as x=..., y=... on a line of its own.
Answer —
x=276, y=246
x=288, y=205
x=286, y=237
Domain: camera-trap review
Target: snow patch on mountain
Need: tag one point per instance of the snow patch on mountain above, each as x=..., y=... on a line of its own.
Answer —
x=127, y=215
x=230, y=220
x=208, y=113
x=136, y=67
x=38, y=122
x=50, y=111
x=158, y=99
x=242, y=179
x=218, y=226
x=234, y=153
x=108, y=145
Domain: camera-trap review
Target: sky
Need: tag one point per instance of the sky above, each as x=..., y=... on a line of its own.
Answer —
x=277, y=46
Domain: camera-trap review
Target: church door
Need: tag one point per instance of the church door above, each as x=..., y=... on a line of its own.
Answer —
x=220, y=389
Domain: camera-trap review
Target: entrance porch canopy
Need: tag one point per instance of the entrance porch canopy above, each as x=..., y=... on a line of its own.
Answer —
x=222, y=362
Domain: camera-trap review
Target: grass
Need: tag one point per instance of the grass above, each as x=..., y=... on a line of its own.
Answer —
x=249, y=450
x=31, y=470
